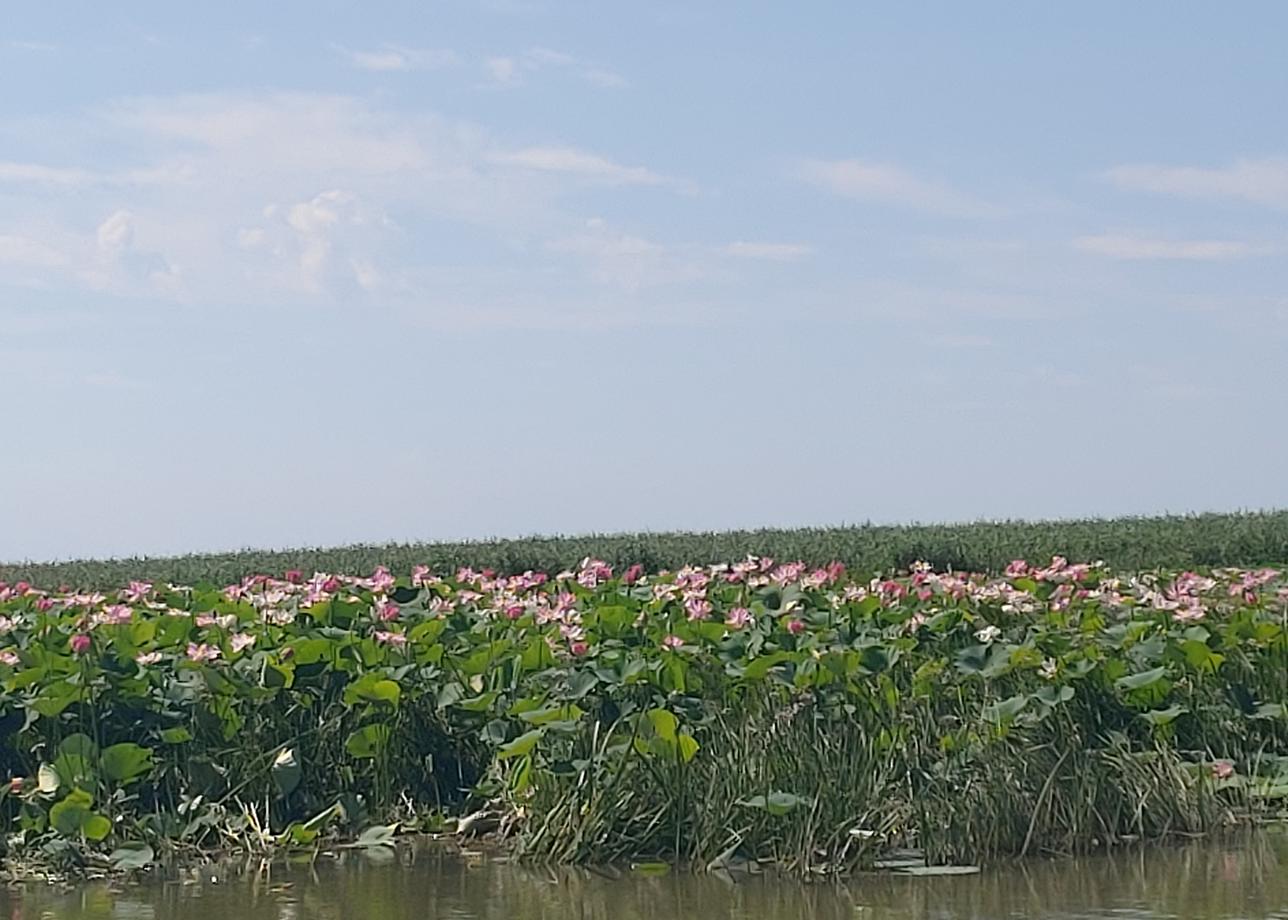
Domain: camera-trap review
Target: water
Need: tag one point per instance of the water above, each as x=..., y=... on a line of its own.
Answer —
x=1242, y=879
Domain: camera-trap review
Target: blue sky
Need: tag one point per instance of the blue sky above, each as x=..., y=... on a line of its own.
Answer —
x=314, y=273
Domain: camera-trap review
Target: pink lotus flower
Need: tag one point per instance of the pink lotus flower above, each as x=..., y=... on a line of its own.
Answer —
x=787, y=573
x=10, y=657
x=632, y=575
x=147, y=658
x=80, y=643
x=698, y=608
x=294, y=576
x=44, y=604
x=891, y=590
x=579, y=648
x=203, y=651
x=136, y=592
x=1222, y=769
x=117, y=614
x=672, y=642
x=419, y=574
x=1017, y=569
x=665, y=591
x=795, y=626
x=738, y=617
x=389, y=638
x=386, y=611
x=514, y=611
x=593, y=571
x=241, y=641
x=381, y=581
x=565, y=601
x=1189, y=610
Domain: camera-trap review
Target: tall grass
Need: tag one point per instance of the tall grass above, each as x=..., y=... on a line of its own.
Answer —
x=1202, y=540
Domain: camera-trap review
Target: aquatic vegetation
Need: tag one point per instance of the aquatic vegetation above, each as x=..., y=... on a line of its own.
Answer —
x=754, y=709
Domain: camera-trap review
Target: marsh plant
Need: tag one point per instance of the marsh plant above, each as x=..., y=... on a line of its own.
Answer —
x=707, y=715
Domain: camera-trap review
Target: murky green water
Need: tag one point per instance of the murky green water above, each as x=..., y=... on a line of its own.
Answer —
x=1244, y=879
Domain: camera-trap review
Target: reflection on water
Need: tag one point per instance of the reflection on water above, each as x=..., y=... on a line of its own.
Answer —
x=1231, y=879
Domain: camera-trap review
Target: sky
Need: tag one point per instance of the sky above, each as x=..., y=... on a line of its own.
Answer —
x=302, y=274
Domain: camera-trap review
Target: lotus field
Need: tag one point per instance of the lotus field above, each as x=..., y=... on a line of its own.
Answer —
x=749, y=710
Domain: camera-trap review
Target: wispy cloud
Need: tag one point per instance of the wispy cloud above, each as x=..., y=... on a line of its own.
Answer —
x=22, y=251
x=626, y=260
x=574, y=162
x=512, y=70
x=21, y=45
x=219, y=202
x=1128, y=247
x=503, y=70
x=43, y=174
x=772, y=252
x=962, y=340
x=608, y=79
x=863, y=180
x=1261, y=181
x=391, y=57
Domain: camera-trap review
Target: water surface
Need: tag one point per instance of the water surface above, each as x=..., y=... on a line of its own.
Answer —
x=1245, y=878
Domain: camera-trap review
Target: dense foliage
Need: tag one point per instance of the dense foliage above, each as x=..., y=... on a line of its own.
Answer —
x=755, y=709
x=1127, y=544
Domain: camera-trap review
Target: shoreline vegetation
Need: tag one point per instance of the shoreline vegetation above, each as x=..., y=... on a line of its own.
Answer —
x=1125, y=544
x=798, y=715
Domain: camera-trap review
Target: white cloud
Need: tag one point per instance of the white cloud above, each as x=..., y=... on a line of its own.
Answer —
x=603, y=244
x=220, y=202
x=866, y=181
x=1263, y=182
x=509, y=71
x=962, y=340
x=399, y=58
x=251, y=237
x=1120, y=246
x=606, y=78
x=571, y=161
x=45, y=175
x=503, y=70
x=119, y=265
x=111, y=380
x=318, y=245
x=19, y=250
x=625, y=260
x=116, y=233
x=773, y=252
x=540, y=57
